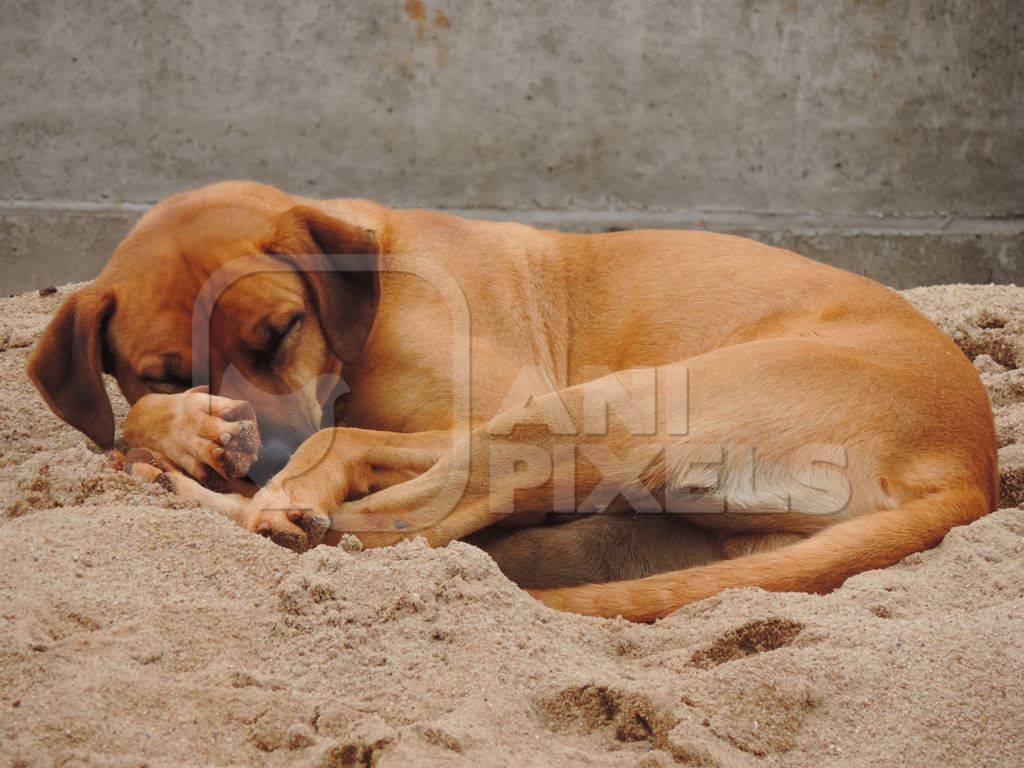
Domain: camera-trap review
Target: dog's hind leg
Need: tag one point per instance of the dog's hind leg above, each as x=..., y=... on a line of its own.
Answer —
x=844, y=443
x=741, y=544
x=819, y=563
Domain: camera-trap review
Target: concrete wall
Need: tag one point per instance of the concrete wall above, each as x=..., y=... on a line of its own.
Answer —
x=886, y=137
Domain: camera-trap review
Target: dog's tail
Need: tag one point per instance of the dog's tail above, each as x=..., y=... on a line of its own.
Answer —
x=817, y=564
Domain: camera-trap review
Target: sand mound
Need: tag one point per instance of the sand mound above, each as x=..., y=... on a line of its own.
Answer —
x=139, y=630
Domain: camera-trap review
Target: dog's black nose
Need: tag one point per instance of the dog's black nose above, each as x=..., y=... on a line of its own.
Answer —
x=273, y=456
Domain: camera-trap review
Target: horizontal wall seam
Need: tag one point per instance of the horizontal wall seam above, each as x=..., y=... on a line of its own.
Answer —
x=801, y=222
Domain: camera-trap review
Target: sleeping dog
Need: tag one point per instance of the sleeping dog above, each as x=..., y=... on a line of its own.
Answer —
x=769, y=421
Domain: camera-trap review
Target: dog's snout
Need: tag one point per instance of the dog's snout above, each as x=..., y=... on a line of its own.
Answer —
x=272, y=459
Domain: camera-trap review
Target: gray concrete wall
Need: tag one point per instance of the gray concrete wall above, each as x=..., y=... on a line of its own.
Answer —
x=886, y=137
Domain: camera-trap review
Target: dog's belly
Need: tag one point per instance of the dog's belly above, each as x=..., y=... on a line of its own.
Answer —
x=581, y=549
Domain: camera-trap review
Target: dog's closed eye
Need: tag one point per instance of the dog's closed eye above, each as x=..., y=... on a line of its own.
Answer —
x=274, y=337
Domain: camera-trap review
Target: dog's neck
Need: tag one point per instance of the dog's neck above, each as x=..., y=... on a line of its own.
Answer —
x=456, y=298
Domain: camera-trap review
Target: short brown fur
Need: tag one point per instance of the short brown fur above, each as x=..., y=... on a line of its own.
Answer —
x=777, y=353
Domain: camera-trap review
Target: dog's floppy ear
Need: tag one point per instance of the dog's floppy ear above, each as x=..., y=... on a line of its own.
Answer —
x=67, y=365
x=340, y=264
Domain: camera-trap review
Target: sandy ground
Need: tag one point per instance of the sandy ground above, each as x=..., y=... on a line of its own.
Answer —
x=138, y=630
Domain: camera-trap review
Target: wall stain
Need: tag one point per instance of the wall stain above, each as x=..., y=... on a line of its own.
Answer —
x=416, y=10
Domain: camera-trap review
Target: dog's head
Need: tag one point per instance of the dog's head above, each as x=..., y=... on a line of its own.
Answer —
x=260, y=295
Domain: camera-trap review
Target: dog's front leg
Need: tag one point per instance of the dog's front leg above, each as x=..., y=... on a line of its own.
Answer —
x=559, y=451
x=192, y=443
x=331, y=467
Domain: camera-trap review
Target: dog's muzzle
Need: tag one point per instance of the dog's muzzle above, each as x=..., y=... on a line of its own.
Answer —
x=273, y=457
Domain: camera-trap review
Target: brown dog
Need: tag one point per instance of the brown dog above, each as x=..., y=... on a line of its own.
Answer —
x=807, y=420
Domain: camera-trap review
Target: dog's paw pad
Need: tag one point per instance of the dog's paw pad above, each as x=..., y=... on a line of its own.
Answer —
x=241, y=448
x=287, y=521
x=146, y=456
x=164, y=481
x=241, y=411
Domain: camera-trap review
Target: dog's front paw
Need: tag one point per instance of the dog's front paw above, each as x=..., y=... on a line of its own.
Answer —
x=205, y=435
x=234, y=438
x=288, y=518
x=216, y=432
x=143, y=464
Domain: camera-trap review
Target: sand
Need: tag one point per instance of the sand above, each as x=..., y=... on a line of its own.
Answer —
x=136, y=629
